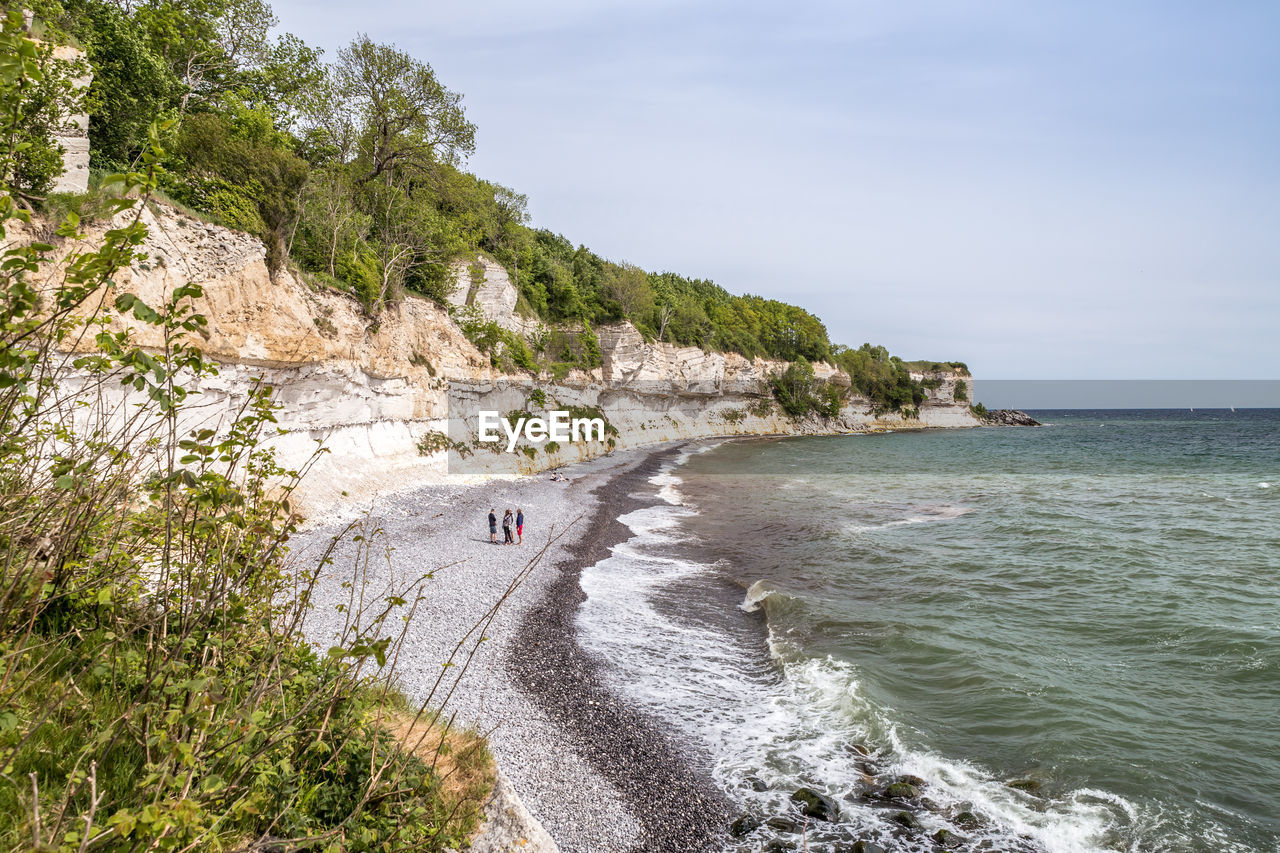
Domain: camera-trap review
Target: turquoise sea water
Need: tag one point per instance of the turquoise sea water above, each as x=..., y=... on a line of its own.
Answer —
x=1093, y=605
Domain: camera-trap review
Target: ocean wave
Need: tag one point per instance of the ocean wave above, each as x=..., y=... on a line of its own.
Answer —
x=828, y=692
x=757, y=594
x=920, y=515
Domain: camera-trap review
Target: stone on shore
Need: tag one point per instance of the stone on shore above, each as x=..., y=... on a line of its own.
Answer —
x=815, y=805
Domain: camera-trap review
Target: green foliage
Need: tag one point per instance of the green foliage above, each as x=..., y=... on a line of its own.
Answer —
x=502, y=346
x=733, y=416
x=961, y=393
x=761, y=408
x=883, y=379
x=237, y=168
x=924, y=366
x=132, y=85
x=592, y=412
x=40, y=97
x=980, y=412
x=158, y=691
x=798, y=393
x=435, y=442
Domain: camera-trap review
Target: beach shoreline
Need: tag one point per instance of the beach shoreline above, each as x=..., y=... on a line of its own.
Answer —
x=595, y=772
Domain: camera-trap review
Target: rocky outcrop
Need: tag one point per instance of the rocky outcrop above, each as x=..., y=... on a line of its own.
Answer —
x=1009, y=417
x=484, y=284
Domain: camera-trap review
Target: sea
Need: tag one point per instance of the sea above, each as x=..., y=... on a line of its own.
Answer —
x=1069, y=634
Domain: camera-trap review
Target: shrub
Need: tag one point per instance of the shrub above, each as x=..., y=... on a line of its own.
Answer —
x=761, y=408
x=961, y=394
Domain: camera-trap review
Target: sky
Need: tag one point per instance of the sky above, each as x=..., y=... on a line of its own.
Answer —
x=1065, y=190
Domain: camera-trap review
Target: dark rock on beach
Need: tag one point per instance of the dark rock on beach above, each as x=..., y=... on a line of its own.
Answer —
x=901, y=791
x=947, y=839
x=908, y=821
x=784, y=824
x=744, y=825
x=757, y=785
x=815, y=805
x=863, y=846
x=967, y=820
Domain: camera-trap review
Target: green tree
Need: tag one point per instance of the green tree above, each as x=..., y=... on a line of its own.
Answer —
x=132, y=85
x=207, y=44
x=393, y=109
x=41, y=102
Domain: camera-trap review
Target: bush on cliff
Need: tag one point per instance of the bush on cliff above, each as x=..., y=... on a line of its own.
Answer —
x=798, y=393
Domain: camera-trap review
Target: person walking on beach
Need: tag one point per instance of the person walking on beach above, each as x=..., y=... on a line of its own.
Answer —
x=493, y=527
x=520, y=525
x=506, y=527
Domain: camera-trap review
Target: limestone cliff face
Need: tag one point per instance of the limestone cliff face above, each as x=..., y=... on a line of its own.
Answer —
x=373, y=389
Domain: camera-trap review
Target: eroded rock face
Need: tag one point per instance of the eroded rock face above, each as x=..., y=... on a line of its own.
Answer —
x=485, y=285
x=74, y=136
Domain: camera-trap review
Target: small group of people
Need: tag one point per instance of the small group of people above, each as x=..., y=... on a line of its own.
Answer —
x=508, y=520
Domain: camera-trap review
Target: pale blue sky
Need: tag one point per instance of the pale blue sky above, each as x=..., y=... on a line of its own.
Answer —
x=1043, y=189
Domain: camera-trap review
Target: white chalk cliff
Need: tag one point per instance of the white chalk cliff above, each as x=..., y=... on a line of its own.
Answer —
x=372, y=388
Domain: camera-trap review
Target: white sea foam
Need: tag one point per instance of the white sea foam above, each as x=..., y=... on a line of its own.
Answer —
x=788, y=718
x=789, y=723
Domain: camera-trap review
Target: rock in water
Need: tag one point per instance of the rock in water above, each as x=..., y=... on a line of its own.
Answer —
x=947, y=839
x=866, y=847
x=815, y=805
x=1010, y=417
x=1031, y=786
x=901, y=791
x=783, y=824
x=744, y=825
x=908, y=820
x=967, y=820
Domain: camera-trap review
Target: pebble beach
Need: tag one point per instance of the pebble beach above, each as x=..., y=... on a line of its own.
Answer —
x=595, y=772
